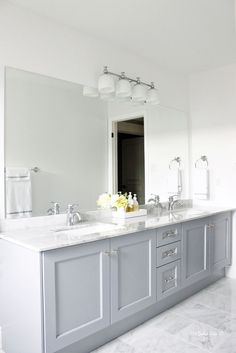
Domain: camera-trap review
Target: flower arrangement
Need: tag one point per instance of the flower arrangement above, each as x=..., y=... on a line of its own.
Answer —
x=120, y=202
x=117, y=201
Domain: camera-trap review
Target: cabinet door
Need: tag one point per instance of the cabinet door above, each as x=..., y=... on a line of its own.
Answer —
x=76, y=293
x=220, y=241
x=195, y=254
x=133, y=273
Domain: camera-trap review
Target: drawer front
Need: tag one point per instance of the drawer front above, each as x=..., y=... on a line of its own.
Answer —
x=168, y=253
x=168, y=234
x=168, y=279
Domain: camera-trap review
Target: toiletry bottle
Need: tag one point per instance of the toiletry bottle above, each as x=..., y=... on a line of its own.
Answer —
x=135, y=203
x=130, y=207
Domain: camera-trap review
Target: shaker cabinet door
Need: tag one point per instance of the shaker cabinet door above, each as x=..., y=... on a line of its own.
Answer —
x=220, y=241
x=195, y=254
x=76, y=293
x=133, y=274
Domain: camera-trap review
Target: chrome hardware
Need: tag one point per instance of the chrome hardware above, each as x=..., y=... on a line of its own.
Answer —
x=114, y=252
x=72, y=214
x=202, y=159
x=169, y=253
x=175, y=160
x=210, y=226
x=106, y=253
x=172, y=202
x=169, y=279
x=55, y=209
x=155, y=200
x=170, y=233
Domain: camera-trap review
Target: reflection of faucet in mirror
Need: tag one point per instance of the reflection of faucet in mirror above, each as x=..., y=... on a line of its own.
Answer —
x=55, y=209
x=172, y=202
x=155, y=201
x=72, y=214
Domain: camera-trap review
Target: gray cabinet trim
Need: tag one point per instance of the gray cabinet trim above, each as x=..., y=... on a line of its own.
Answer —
x=221, y=243
x=147, y=241
x=168, y=279
x=168, y=253
x=169, y=234
x=200, y=227
x=53, y=341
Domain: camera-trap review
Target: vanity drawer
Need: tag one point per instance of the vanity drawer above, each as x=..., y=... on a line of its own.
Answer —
x=168, y=279
x=168, y=234
x=168, y=253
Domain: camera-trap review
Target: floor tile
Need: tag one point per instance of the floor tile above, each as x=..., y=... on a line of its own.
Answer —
x=203, y=336
x=203, y=323
x=116, y=346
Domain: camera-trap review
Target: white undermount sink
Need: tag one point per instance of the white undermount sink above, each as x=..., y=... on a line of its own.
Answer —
x=85, y=229
x=191, y=212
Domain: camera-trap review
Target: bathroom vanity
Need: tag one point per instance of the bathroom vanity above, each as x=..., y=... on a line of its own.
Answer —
x=71, y=291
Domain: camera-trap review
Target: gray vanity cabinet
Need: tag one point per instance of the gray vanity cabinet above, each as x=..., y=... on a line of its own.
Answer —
x=76, y=293
x=196, y=251
x=133, y=274
x=220, y=240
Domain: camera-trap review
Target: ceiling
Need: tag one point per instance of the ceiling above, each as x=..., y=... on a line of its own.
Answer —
x=179, y=35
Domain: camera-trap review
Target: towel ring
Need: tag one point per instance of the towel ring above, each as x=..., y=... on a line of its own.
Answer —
x=175, y=160
x=203, y=159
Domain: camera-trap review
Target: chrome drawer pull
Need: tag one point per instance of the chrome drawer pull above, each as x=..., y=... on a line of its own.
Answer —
x=169, y=253
x=170, y=233
x=169, y=279
x=112, y=252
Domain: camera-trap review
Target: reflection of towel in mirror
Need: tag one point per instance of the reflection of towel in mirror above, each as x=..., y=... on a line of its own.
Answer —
x=18, y=193
x=201, y=183
x=174, y=181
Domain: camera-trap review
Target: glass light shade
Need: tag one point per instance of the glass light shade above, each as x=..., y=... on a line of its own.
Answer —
x=153, y=96
x=90, y=91
x=106, y=84
x=108, y=96
x=123, y=88
x=139, y=93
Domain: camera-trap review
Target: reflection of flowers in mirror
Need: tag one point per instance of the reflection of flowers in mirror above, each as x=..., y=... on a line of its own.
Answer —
x=104, y=200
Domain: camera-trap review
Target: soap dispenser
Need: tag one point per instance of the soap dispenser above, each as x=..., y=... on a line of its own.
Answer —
x=130, y=207
x=135, y=203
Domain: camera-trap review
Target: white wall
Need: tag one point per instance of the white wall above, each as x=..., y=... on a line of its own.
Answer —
x=213, y=127
x=166, y=137
x=34, y=43
x=49, y=124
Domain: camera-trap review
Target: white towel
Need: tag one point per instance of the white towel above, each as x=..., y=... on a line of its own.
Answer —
x=18, y=193
x=174, y=181
x=201, y=183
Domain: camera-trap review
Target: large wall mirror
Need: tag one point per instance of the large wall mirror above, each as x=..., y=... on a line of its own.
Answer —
x=58, y=146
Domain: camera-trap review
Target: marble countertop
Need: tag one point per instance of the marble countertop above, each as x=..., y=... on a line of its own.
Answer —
x=48, y=237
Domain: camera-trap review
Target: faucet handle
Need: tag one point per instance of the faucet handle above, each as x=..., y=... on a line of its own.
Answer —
x=156, y=197
x=72, y=207
x=171, y=198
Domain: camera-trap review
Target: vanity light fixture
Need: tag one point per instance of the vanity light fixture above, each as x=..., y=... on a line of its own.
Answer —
x=152, y=95
x=139, y=92
x=123, y=87
x=113, y=86
x=90, y=91
x=106, y=82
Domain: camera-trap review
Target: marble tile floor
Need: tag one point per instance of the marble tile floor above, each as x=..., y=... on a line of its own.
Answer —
x=205, y=322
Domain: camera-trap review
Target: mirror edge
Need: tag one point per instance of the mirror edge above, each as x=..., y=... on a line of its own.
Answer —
x=2, y=139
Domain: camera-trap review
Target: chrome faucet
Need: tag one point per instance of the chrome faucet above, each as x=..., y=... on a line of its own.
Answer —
x=72, y=214
x=172, y=202
x=55, y=209
x=155, y=200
